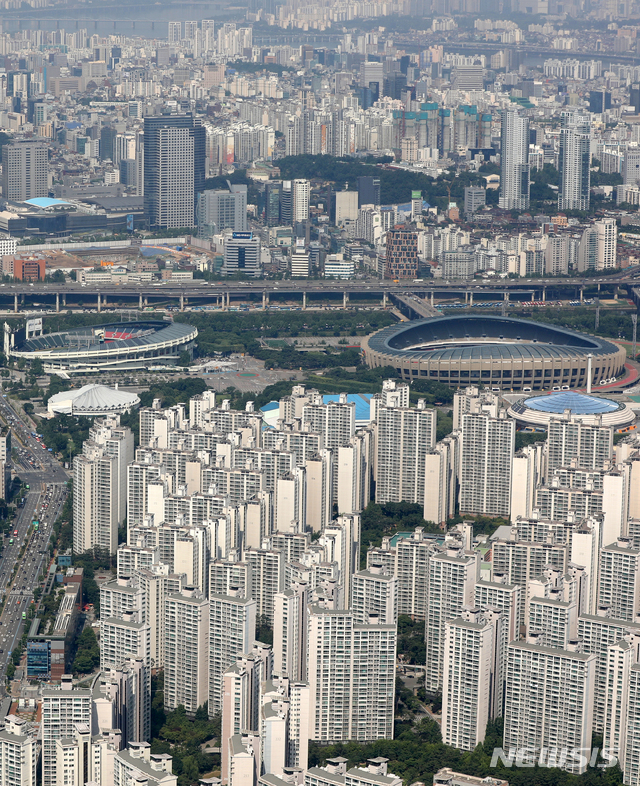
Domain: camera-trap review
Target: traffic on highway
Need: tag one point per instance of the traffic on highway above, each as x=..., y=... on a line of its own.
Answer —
x=24, y=554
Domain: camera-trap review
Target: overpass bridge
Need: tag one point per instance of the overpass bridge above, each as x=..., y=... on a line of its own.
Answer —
x=303, y=294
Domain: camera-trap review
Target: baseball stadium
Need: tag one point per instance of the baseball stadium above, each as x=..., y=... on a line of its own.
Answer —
x=117, y=346
x=501, y=352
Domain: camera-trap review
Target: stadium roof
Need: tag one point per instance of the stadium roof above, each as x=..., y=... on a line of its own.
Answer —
x=45, y=202
x=578, y=403
x=476, y=336
x=92, y=400
x=163, y=331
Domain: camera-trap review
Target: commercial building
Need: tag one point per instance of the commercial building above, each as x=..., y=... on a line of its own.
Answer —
x=242, y=254
x=401, y=255
x=25, y=171
x=220, y=210
x=174, y=170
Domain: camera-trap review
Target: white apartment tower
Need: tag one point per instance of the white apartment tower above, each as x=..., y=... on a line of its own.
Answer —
x=574, y=161
x=607, y=230
x=619, y=580
x=232, y=629
x=186, y=650
x=351, y=675
x=18, y=753
x=450, y=587
x=471, y=675
x=290, y=629
x=549, y=702
x=514, y=154
x=404, y=436
x=589, y=446
x=486, y=464
x=374, y=596
x=62, y=709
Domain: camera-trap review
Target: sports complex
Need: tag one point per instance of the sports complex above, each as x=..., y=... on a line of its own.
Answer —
x=501, y=352
x=121, y=345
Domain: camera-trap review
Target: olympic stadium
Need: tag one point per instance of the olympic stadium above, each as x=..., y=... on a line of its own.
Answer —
x=501, y=352
x=117, y=346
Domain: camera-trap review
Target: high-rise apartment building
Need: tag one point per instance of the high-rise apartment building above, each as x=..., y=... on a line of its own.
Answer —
x=514, y=156
x=404, y=436
x=174, y=170
x=62, y=709
x=589, y=446
x=619, y=580
x=351, y=677
x=175, y=32
x=186, y=649
x=549, y=702
x=450, y=586
x=471, y=677
x=18, y=753
x=374, y=596
x=607, y=243
x=290, y=629
x=25, y=171
x=486, y=464
x=232, y=630
x=574, y=162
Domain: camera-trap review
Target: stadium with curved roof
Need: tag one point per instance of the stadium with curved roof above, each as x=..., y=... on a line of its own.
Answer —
x=501, y=352
x=592, y=410
x=120, y=345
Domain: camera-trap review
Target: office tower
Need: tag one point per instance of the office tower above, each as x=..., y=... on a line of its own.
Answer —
x=301, y=190
x=108, y=136
x=371, y=71
x=290, y=628
x=219, y=210
x=25, y=171
x=401, y=261
x=299, y=263
x=452, y=575
x=62, y=709
x=175, y=32
x=475, y=198
x=174, y=169
x=186, y=649
x=599, y=101
x=619, y=579
x=607, y=243
x=486, y=463
x=574, y=162
x=18, y=753
x=374, y=596
x=242, y=254
x=351, y=677
x=404, y=436
x=368, y=191
x=514, y=153
x=631, y=167
x=471, y=677
x=590, y=446
x=272, y=196
x=137, y=765
x=346, y=207
x=468, y=77
x=549, y=702
x=232, y=630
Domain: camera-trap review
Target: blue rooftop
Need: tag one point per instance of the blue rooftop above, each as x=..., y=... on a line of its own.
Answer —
x=361, y=400
x=578, y=403
x=46, y=202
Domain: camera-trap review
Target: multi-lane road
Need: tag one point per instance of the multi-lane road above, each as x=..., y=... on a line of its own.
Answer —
x=19, y=572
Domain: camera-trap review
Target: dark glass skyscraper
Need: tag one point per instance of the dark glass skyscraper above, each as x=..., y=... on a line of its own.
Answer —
x=174, y=169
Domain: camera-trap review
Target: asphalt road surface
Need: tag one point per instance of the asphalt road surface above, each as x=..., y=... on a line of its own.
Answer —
x=43, y=502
